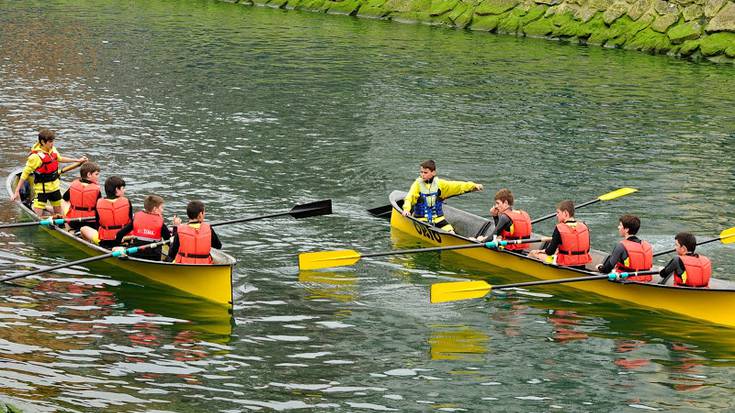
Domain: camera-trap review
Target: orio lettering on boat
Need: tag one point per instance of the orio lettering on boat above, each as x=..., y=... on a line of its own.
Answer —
x=427, y=232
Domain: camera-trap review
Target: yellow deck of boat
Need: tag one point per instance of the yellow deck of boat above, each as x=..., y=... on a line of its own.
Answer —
x=715, y=304
x=210, y=282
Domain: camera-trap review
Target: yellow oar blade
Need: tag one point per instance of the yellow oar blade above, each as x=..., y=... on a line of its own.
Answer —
x=327, y=259
x=728, y=236
x=455, y=291
x=617, y=194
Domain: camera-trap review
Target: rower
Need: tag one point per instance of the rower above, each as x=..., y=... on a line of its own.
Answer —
x=147, y=227
x=113, y=213
x=427, y=194
x=689, y=269
x=82, y=196
x=570, y=242
x=631, y=254
x=510, y=224
x=43, y=164
x=194, y=240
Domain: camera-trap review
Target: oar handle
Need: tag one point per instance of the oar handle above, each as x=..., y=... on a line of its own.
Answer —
x=119, y=253
x=46, y=222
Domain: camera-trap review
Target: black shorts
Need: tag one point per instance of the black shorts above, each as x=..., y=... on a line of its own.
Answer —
x=49, y=196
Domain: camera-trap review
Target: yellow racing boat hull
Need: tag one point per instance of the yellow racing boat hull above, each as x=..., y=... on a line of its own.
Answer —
x=715, y=304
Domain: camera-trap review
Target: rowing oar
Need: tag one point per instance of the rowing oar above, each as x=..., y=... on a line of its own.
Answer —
x=465, y=290
x=312, y=209
x=116, y=254
x=606, y=197
x=727, y=236
x=340, y=258
x=46, y=222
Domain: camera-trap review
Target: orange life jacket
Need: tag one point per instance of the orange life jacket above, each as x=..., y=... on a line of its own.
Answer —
x=519, y=229
x=82, y=199
x=194, y=244
x=575, y=244
x=147, y=226
x=49, y=169
x=697, y=271
x=114, y=214
x=640, y=258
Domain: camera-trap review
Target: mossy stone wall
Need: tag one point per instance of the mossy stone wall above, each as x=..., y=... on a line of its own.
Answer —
x=691, y=29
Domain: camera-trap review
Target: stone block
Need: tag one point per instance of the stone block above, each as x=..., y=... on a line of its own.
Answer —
x=683, y=32
x=663, y=7
x=599, y=5
x=585, y=14
x=346, y=7
x=724, y=20
x=639, y=8
x=442, y=6
x=662, y=23
x=716, y=43
x=693, y=11
x=548, y=2
x=490, y=7
x=711, y=7
x=538, y=28
x=649, y=40
x=484, y=23
x=534, y=14
x=615, y=11
x=689, y=47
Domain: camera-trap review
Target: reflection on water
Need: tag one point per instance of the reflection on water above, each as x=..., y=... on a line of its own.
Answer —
x=457, y=342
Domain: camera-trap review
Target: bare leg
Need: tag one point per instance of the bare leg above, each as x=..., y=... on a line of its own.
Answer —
x=89, y=233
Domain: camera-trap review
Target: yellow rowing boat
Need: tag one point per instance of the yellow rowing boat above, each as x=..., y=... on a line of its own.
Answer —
x=211, y=282
x=715, y=304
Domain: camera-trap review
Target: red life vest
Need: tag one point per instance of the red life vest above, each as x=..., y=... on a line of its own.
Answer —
x=640, y=258
x=519, y=229
x=82, y=199
x=49, y=169
x=114, y=214
x=575, y=245
x=697, y=271
x=194, y=244
x=147, y=226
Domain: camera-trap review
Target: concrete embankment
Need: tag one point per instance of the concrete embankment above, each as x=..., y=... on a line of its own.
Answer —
x=690, y=29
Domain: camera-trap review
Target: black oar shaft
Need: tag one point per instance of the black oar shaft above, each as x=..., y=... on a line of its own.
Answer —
x=697, y=244
x=571, y=280
x=234, y=221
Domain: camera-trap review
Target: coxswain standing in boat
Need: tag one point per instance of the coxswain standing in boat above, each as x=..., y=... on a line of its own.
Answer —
x=427, y=194
x=147, y=227
x=113, y=213
x=43, y=164
x=570, y=242
x=82, y=196
x=510, y=224
x=631, y=254
x=194, y=240
x=689, y=269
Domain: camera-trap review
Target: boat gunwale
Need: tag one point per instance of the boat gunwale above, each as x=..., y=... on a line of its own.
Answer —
x=395, y=196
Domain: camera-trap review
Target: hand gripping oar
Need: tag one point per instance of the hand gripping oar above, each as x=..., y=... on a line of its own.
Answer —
x=465, y=290
x=606, y=197
x=46, y=222
x=312, y=209
x=727, y=236
x=339, y=258
x=119, y=253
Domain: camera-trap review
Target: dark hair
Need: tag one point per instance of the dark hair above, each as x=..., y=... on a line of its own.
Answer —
x=193, y=209
x=631, y=222
x=687, y=240
x=504, y=194
x=88, y=167
x=566, y=205
x=111, y=185
x=428, y=164
x=45, y=135
x=152, y=201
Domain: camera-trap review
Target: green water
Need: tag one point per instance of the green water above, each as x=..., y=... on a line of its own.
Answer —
x=255, y=110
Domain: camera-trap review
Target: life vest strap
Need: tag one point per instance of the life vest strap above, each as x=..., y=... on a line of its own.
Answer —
x=573, y=252
x=77, y=208
x=188, y=255
x=111, y=226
